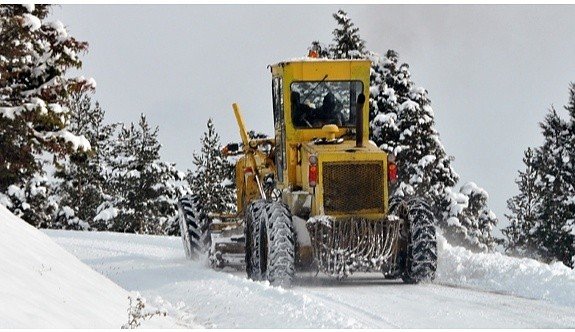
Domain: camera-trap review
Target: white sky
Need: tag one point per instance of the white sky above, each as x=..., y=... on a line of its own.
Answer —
x=492, y=71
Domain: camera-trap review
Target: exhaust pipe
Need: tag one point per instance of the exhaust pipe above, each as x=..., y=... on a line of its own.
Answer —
x=359, y=121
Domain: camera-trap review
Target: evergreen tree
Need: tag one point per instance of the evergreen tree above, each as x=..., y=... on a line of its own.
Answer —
x=143, y=189
x=553, y=229
x=34, y=58
x=82, y=175
x=523, y=207
x=570, y=226
x=426, y=168
x=384, y=101
x=211, y=179
x=543, y=213
x=348, y=44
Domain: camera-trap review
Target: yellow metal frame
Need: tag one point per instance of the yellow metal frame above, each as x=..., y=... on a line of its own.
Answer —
x=315, y=70
x=297, y=146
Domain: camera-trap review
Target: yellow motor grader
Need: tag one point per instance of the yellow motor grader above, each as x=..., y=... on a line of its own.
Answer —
x=316, y=196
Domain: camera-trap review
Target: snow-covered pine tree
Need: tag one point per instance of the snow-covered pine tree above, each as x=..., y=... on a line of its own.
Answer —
x=425, y=167
x=402, y=122
x=348, y=43
x=523, y=207
x=119, y=173
x=34, y=58
x=383, y=101
x=570, y=227
x=210, y=181
x=81, y=176
x=426, y=171
x=144, y=190
x=477, y=219
x=553, y=230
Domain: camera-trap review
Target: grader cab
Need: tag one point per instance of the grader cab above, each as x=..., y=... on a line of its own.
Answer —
x=316, y=196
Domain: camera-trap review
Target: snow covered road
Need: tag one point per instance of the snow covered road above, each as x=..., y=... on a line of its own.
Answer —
x=156, y=267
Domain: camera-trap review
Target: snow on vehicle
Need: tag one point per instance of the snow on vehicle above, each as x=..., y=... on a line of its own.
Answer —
x=316, y=196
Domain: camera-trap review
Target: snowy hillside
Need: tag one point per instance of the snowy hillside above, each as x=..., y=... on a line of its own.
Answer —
x=507, y=292
x=44, y=286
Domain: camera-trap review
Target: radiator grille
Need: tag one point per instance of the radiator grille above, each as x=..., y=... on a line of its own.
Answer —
x=353, y=187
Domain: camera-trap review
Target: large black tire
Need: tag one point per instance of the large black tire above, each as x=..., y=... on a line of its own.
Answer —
x=254, y=217
x=421, y=255
x=277, y=245
x=194, y=227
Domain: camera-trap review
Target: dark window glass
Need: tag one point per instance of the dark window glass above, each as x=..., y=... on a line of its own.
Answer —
x=315, y=104
x=279, y=126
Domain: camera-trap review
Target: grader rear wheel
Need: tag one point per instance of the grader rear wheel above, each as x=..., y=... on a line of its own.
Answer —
x=253, y=220
x=194, y=227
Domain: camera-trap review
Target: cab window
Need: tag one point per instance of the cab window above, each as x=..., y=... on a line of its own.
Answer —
x=318, y=103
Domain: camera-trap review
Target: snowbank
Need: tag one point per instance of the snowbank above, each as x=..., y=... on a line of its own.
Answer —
x=44, y=286
x=495, y=272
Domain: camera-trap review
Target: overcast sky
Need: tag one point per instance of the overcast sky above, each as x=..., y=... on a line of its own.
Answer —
x=492, y=71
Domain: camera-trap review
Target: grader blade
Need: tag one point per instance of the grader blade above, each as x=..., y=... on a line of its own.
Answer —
x=228, y=245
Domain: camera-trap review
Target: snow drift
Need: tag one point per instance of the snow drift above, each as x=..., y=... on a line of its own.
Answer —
x=495, y=272
x=44, y=286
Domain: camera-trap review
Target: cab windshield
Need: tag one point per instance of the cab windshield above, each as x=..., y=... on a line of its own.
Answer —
x=318, y=103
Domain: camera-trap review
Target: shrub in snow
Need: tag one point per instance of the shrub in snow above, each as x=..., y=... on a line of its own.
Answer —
x=467, y=220
x=137, y=312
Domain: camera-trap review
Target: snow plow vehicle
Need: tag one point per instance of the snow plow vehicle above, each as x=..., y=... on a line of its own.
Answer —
x=317, y=195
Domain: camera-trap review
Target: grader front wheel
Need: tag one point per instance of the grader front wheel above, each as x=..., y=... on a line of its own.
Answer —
x=421, y=255
x=276, y=244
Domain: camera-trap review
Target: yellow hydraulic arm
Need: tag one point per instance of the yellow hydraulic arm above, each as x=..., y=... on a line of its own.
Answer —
x=241, y=125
